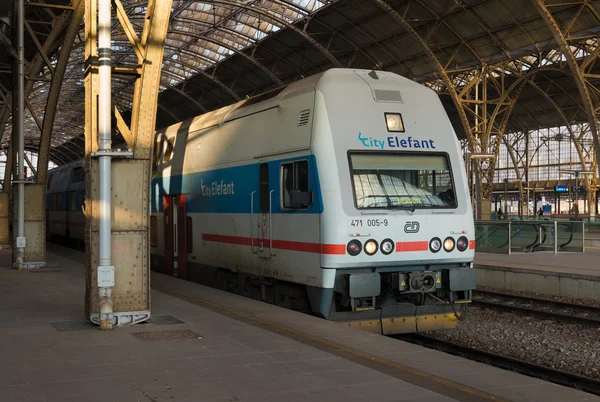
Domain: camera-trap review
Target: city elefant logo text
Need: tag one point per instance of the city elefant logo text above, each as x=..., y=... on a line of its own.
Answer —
x=217, y=188
x=396, y=142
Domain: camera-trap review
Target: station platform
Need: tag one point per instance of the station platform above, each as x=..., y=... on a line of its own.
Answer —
x=206, y=345
x=573, y=275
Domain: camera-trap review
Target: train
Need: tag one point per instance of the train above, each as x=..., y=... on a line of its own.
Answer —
x=342, y=195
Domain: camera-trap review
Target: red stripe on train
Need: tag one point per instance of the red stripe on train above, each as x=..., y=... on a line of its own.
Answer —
x=278, y=244
x=335, y=249
x=412, y=246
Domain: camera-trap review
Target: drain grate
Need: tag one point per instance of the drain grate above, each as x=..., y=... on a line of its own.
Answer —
x=166, y=335
x=73, y=325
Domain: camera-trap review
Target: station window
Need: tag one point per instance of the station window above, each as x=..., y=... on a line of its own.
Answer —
x=294, y=177
x=169, y=149
x=153, y=231
x=189, y=236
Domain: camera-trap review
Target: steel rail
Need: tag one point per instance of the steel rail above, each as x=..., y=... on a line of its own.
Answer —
x=560, y=304
x=564, y=378
x=553, y=315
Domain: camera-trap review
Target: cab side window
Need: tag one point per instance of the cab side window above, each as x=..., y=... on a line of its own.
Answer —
x=168, y=154
x=294, y=182
x=158, y=147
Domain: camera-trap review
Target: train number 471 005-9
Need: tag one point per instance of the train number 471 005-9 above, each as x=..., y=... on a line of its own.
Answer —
x=369, y=222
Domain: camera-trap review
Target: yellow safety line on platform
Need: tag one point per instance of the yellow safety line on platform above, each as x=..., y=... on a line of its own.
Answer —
x=445, y=387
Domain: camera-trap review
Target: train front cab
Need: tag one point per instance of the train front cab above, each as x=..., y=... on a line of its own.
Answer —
x=406, y=269
x=399, y=204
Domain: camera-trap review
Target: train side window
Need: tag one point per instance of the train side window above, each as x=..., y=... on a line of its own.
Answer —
x=189, y=235
x=153, y=231
x=169, y=149
x=264, y=188
x=73, y=201
x=77, y=175
x=294, y=185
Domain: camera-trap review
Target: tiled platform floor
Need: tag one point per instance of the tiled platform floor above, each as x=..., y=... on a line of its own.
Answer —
x=242, y=350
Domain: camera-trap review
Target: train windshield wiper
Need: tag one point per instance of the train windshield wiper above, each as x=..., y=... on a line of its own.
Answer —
x=401, y=208
x=378, y=196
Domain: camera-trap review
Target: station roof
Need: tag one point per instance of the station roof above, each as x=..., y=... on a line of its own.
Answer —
x=220, y=51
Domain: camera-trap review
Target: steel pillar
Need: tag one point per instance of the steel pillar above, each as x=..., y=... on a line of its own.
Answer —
x=471, y=102
x=129, y=223
x=579, y=70
x=35, y=211
x=35, y=66
x=19, y=137
x=104, y=163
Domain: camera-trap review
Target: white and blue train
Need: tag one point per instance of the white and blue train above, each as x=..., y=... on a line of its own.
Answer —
x=343, y=194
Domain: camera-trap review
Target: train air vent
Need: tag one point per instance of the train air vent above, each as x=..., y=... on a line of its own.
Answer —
x=387, y=95
x=303, y=117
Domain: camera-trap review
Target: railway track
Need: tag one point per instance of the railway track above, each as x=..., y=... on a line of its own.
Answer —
x=582, y=383
x=547, y=309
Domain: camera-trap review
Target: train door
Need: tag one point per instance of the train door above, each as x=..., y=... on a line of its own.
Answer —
x=264, y=221
x=181, y=237
x=168, y=237
x=175, y=214
x=64, y=202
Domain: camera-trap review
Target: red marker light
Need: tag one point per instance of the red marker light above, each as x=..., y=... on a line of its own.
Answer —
x=354, y=247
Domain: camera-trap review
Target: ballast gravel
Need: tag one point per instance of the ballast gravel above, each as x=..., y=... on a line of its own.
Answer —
x=567, y=347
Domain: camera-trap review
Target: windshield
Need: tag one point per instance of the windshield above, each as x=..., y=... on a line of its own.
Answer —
x=402, y=181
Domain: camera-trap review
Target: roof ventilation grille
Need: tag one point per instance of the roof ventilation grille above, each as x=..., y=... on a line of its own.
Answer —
x=303, y=117
x=387, y=95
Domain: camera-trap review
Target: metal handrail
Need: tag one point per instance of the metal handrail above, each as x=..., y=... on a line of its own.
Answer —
x=570, y=237
x=509, y=237
x=252, y=221
x=540, y=238
x=499, y=226
x=271, y=223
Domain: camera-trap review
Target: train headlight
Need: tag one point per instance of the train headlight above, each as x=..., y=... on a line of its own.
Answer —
x=387, y=246
x=371, y=247
x=394, y=122
x=354, y=248
x=462, y=243
x=449, y=244
x=435, y=245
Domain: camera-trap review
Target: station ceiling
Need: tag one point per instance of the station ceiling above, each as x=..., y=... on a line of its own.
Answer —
x=220, y=51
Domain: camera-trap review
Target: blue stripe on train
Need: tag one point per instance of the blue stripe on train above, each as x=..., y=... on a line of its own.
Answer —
x=228, y=190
